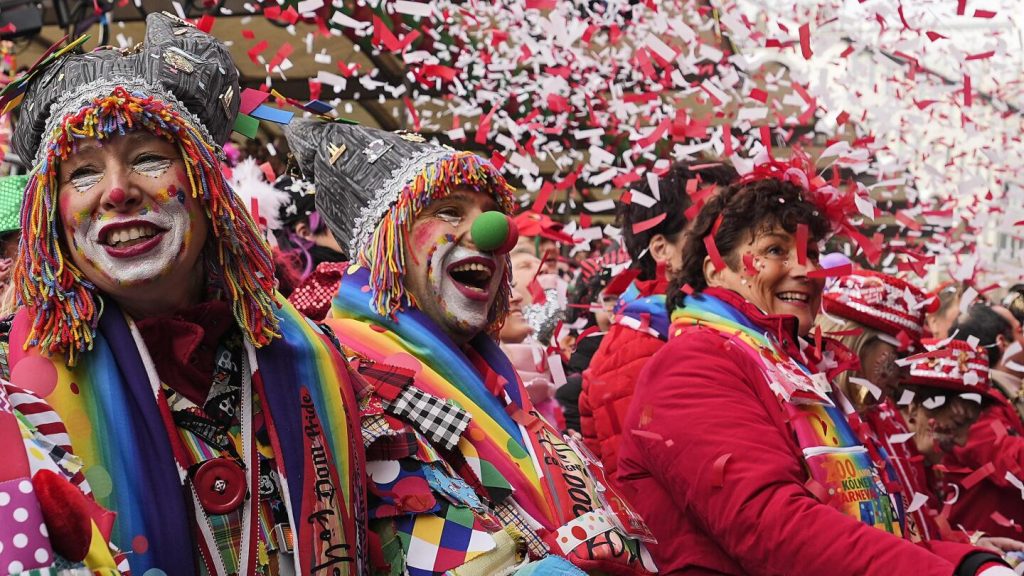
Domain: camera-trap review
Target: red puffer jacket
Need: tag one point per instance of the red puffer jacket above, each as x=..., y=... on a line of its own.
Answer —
x=711, y=464
x=608, y=388
x=609, y=381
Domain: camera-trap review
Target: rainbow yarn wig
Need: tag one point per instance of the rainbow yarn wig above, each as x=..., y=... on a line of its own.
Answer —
x=372, y=184
x=179, y=85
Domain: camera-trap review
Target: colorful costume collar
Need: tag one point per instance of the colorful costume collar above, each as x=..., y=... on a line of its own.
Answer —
x=829, y=355
x=551, y=482
x=447, y=372
x=116, y=428
x=638, y=304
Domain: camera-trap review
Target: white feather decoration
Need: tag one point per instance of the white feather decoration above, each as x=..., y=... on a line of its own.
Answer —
x=249, y=182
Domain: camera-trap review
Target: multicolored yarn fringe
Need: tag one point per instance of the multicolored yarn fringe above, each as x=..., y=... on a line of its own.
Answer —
x=384, y=256
x=56, y=291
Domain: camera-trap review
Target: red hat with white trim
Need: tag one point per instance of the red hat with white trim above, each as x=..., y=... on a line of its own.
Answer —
x=885, y=303
x=956, y=366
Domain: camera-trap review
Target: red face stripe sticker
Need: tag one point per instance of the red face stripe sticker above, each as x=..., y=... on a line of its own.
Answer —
x=748, y=264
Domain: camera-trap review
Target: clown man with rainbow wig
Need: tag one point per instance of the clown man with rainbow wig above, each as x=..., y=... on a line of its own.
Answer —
x=464, y=476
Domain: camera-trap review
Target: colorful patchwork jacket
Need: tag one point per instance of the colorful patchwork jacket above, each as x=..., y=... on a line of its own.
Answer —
x=49, y=519
x=145, y=463
x=464, y=476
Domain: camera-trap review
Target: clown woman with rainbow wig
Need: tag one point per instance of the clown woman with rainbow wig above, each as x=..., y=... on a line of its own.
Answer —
x=208, y=428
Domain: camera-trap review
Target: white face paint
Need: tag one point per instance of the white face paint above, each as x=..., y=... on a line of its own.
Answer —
x=153, y=258
x=460, y=306
x=130, y=223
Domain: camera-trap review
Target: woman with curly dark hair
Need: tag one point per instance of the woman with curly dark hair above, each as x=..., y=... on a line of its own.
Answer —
x=733, y=449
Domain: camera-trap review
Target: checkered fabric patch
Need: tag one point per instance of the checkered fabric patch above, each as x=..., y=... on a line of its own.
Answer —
x=440, y=421
x=374, y=427
x=509, y=516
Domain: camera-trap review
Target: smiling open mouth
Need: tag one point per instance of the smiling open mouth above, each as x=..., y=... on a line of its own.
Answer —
x=127, y=237
x=472, y=277
x=793, y=297
x=475, y=274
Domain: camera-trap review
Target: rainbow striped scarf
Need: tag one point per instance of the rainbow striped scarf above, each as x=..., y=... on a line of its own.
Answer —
x=644, y=309
x=840, y=467
x=116, y=428
x=494, y=443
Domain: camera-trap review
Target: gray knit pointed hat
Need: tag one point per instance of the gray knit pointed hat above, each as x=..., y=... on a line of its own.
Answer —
x=371, y=185
x=176, y=63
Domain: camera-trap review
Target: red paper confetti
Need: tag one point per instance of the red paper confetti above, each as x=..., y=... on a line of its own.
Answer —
x=542, y=197
x=648, y=435
x=643, y=225
x=206, y=22
x=718, y=470
x=905, y=340
x=412, y=113
x=712, y=248
x=805, y=41
x=536, y=291
x=346, y=70
x=748, y=264
x=801, y=243
x=766, y=138
x=256, y=50
x=903, y=19
x=1004, y=521
x=621, y=281
x=978, y=475
x=818, y=490
x=835, y=271
x=716, y=225
x=844, y=333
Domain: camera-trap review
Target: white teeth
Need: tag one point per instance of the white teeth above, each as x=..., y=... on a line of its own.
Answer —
x=128, y=234
x=793, y=296
x=472, y=266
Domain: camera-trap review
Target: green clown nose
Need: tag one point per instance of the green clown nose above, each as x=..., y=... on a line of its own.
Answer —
x=494, y=232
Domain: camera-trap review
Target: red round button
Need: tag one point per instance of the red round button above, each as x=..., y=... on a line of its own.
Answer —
x=220, y=485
